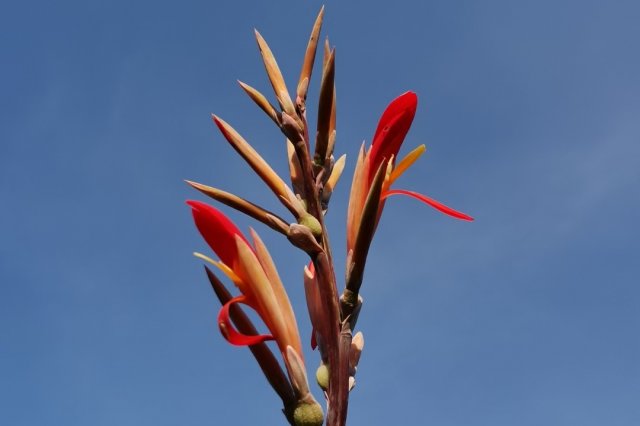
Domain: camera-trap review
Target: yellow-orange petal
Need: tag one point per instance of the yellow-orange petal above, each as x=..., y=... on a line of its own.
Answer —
x=406, y=162
x=224, y=268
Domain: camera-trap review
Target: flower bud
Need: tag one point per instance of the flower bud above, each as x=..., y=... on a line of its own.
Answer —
x=322, y=376
x=312, y=223
x=308, y=414
x=357, y=343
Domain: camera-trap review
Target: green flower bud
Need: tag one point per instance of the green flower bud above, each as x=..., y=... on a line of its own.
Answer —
x=312, y=223
x=322, y=376
x=308, y=414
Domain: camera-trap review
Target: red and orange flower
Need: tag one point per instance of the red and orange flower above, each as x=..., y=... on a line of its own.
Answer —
x=387, y=140
x=252, y=270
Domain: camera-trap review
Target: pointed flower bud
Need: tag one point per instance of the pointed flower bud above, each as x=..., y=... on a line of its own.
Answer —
x=262, y=102
x=275, y=76
x=257, y=163
x=309, y=57
x=265, y=216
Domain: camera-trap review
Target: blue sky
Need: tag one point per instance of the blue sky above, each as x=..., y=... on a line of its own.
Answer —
x=529, y=111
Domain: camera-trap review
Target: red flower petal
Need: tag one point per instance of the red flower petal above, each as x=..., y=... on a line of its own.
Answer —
x=229, y=331
x=433, y=203
x=217, y=230
x=392, y=129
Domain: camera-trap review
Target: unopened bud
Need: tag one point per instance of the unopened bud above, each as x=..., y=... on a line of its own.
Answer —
x=308, y=414
x=357, y=343
x=312, y=223
x=322, y=376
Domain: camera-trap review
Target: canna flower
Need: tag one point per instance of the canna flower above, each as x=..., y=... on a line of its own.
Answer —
x=251, y=269
x=387, y=140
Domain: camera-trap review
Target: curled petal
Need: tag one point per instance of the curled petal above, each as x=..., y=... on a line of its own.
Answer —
x=433, y=203
x=266, y=359
x=231, y=334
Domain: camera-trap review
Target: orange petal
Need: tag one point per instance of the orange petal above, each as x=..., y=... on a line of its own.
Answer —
x=406, y=162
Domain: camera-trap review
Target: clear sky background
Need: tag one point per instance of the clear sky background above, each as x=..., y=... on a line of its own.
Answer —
x=531, y=116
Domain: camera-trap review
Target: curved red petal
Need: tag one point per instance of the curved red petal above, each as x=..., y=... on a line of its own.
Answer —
x=433, y=203
x=392, y=129
x=217, y=230
x=229, y=331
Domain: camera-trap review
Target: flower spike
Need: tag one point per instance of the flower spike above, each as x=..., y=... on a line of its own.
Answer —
x=314, y=171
